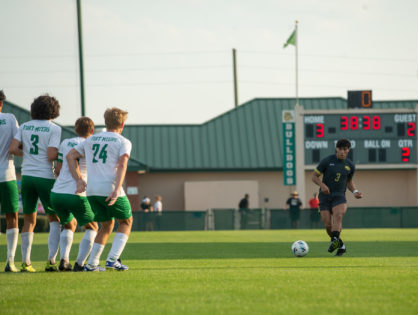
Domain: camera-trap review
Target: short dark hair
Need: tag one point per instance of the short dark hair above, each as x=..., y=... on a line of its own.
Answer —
x=343, y=143
x=2, y=96
x=45, y=107
x=84, y=126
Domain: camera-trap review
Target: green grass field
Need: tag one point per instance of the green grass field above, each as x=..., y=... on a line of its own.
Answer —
x=246, y=272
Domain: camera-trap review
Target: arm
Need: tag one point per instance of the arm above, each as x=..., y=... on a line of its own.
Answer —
x=16, y=148
x=72, y=157
x=52, y=154
x=317, y=180
x=351, y=187
x=58, y=165
x=58, y=168
x=120, y=176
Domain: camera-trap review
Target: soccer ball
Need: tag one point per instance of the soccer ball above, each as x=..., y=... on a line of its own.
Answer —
x=300, y=248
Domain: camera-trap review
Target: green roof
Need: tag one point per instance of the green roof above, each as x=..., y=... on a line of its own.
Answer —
x=23, y=115
x=248, y=137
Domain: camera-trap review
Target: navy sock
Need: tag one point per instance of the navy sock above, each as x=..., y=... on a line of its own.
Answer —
x=335, y=235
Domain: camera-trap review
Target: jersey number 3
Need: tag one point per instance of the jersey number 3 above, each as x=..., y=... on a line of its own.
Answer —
x=35, y=140
x=102, y=154
x=337, y=178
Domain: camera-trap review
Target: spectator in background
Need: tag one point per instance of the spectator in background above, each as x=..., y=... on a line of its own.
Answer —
x=147, y=208
x=146, y=204
x=158, y=209
x=314, y=205
x=158, y=205
x=243, y=210
x=293, y=205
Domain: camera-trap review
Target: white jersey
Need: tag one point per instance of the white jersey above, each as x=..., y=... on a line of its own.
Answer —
x=8, y=128
x=65, y=183
x=158, y=206
x=36, y=137
x=102, y=152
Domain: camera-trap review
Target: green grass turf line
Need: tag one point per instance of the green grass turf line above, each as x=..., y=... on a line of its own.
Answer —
x=228, y=272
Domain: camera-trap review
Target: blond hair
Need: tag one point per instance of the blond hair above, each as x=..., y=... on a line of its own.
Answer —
x=115, y=118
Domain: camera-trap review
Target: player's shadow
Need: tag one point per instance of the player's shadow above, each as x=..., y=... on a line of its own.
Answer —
x=221, y=250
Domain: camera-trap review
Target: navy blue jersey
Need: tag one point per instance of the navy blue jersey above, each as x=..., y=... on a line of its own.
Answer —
x=336, y=173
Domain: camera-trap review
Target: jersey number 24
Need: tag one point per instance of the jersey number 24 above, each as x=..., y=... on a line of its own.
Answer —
x=102, y=155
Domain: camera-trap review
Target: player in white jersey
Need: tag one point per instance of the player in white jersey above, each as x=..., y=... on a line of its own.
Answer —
x=39, y=139
x=107, y=155
x=9, y=196
x=72, y=208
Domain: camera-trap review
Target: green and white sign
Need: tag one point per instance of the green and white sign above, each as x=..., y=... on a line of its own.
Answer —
x=289, y=153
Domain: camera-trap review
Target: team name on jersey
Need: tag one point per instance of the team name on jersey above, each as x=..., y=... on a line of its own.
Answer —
x=72, y=144
x=2, y=121
x=103, y=139
x=33, y=128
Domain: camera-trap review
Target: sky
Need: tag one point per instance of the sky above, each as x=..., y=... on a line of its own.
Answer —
x=170, y=61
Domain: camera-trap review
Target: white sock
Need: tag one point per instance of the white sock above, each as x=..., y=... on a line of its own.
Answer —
x=96, y=251
x=27, y=240
x=12, y=236
x=53, y=240
x=118, y=245
x=66, y=240
x=85, y=246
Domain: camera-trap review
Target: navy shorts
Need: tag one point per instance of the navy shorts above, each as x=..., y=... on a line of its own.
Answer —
x=327, y=202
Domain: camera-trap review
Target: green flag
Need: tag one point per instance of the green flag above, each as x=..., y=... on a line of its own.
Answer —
x=291, y=40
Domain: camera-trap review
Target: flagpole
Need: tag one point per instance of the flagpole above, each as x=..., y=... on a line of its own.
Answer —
x=299, y=147
x=296, y=63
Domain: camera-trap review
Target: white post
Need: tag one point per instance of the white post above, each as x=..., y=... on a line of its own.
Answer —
x=296, y=63
x=300, y=153
x=299, y=145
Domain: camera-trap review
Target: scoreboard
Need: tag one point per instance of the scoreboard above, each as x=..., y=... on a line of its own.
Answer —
x=376, y=137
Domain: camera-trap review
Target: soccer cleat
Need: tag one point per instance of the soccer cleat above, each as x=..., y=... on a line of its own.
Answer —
x=341, y=251
x=27, y=268
x=333, y=245
x=90, y=268
x=10, y=267
x=65, y=266
x=116, y=265
x=51, y=267
x=77, y=267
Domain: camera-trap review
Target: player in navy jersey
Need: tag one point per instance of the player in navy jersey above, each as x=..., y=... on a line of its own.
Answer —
x=338, y=172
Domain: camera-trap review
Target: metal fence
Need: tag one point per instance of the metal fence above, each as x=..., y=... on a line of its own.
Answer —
x=254, y=219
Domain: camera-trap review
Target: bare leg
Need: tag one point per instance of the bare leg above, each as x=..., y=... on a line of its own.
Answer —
x=104, y=232
x=327, y=220
x=92, y=226
x=29, y=222
x=338, y=214
x=125, y=226
x=11, y=221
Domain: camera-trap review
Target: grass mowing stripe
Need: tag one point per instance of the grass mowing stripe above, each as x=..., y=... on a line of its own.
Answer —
x=229, y=272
